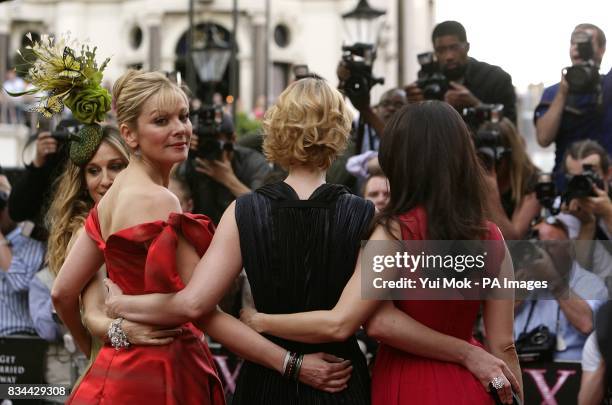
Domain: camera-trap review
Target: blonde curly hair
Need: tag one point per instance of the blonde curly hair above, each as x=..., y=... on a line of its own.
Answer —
x=309, y=125
x=71, y=203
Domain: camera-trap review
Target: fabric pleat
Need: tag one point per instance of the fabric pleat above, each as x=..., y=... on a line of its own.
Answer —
x=298, y=256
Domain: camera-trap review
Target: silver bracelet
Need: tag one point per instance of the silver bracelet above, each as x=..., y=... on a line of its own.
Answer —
x=117, y=336
x=286, y=361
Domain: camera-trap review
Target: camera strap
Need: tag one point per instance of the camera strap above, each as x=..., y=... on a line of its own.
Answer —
x=557, y=323
x=533, y=304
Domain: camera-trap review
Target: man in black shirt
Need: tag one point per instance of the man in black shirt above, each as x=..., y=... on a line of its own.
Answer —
x=471, y=82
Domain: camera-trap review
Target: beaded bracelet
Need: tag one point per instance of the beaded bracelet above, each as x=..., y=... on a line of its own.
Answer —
x=116, y=335
x=289, y=370
x=298, y=366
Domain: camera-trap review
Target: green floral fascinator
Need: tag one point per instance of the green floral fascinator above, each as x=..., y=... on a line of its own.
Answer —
x=73, y=79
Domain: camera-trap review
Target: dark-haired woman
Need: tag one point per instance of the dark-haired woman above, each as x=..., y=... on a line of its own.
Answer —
x=428, y=355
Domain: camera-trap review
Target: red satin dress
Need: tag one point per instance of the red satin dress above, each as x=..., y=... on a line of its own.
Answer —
x=142, y=260
x=401, y=378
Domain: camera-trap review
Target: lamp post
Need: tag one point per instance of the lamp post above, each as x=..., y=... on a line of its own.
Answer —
x=210, y=56
x=362, y=24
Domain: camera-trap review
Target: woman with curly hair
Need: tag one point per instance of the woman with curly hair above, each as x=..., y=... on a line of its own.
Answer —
x=298, y=241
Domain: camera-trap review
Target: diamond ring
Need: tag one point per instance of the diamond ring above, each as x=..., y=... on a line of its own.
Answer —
x=497, y=383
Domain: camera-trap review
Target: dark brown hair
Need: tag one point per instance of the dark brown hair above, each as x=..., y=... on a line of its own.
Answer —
x=429, y=157
x=583, y=149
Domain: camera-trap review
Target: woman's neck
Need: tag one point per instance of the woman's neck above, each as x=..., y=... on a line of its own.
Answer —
x=159, y=174
x=304, y=180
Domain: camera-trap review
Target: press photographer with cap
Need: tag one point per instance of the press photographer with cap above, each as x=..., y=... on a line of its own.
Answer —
x=470, y=82
x=579, y=106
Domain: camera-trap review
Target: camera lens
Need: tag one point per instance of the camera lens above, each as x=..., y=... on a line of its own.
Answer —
x=539, y=338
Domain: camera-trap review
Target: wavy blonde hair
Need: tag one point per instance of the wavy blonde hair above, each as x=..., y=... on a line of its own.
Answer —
x=135, y=87
x=71, y=203
x=309, y=125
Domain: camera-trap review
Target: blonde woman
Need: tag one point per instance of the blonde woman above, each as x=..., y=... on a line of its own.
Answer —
x=77, y=190
x=148, y=246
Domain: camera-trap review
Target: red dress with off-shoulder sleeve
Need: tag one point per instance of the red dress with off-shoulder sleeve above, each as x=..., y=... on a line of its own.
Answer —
x=142, y=259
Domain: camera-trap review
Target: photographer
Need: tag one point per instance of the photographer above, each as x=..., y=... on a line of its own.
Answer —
x=469, y=82
x=227, y=172
x=579, y=106
x=587, y=165
x=511, y=178
x=561, y=309
x=30, y=195
x=20, y=259
x=355, y=81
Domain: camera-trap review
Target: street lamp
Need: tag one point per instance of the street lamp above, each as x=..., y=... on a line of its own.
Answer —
x=362, y=23
x=210, y=56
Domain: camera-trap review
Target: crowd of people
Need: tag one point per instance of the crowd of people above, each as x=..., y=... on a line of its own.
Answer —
x=128, y=251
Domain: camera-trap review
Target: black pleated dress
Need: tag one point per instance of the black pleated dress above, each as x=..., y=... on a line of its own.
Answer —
x=298, y=256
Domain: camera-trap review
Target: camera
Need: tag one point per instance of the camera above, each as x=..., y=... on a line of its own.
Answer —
x=474, y=117
x=525, y=252
x=66, y=129
x=546, y=193
x=581, y=185
x=208, y=123
x=487, y=139
x=430, y=79
x=583, y=77
x=358, y=60
x=536, y=345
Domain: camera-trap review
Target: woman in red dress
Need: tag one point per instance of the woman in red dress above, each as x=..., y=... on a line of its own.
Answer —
x=428, y=355
x=149, y=247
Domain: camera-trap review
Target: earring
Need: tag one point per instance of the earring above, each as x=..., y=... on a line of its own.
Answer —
x=137, y=152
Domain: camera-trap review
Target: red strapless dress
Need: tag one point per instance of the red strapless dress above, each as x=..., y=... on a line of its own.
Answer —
x=142, y=260
x=401, y=378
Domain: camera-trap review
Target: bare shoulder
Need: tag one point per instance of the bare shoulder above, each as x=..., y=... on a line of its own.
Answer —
x=136, y=205
x=382, y=233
